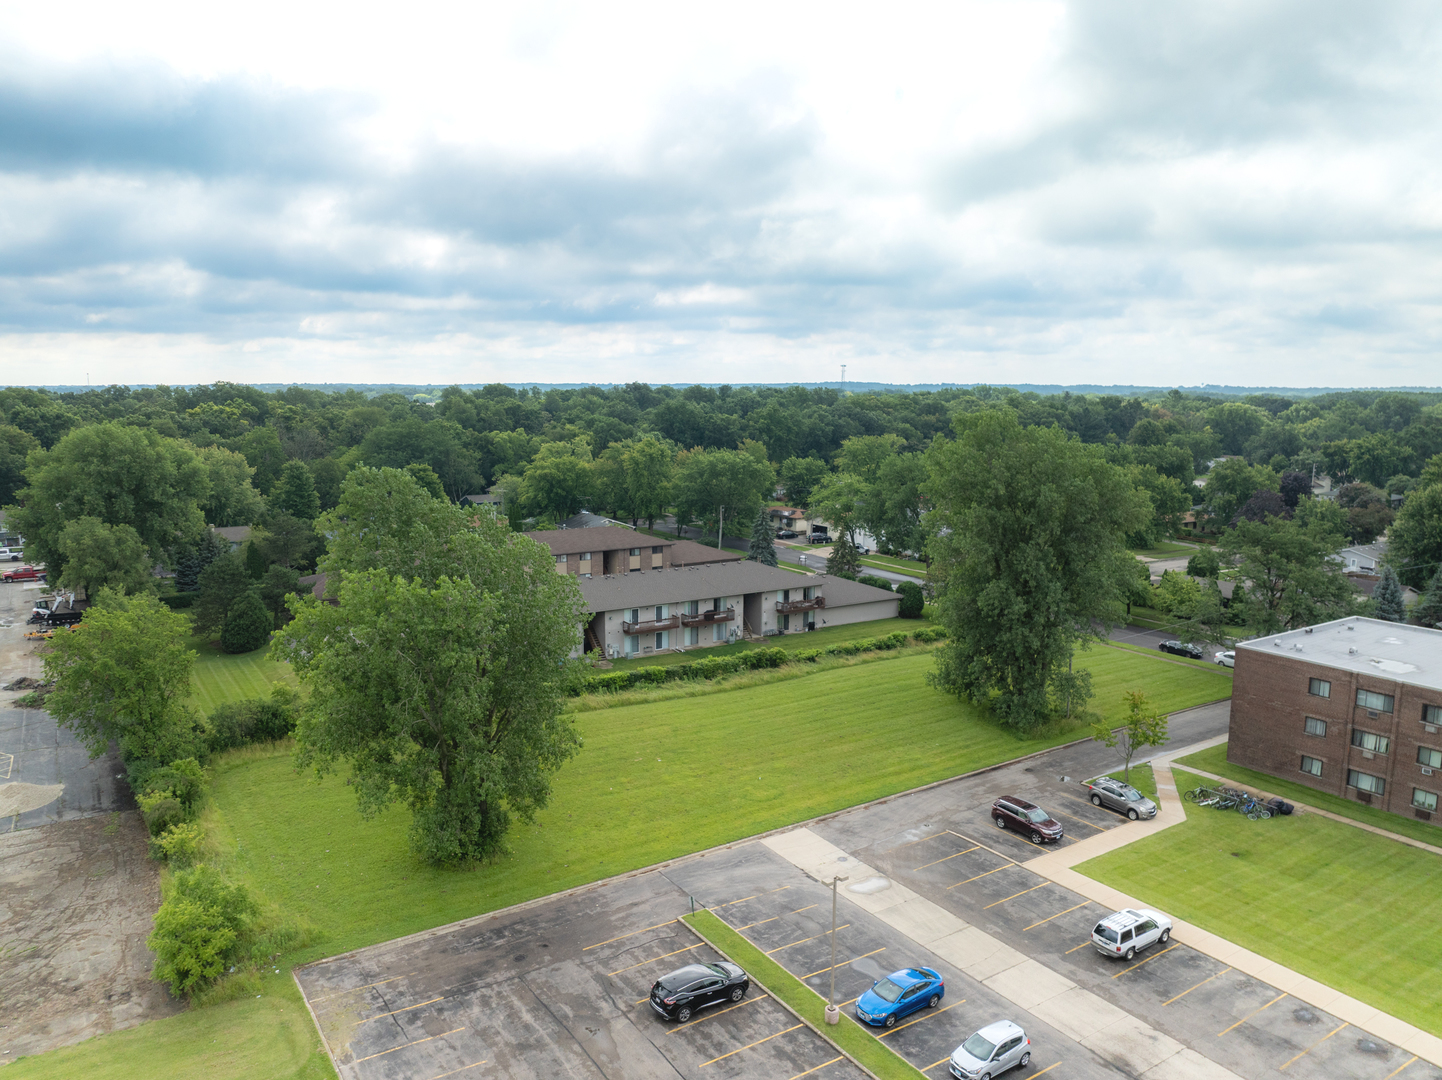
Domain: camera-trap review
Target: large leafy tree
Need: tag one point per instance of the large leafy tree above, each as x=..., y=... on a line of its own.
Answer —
x=232, y=500
x=99, y=556
x=15, y=446
x=1415, y=538
x=438, y=677
x=894, y=504
x=1028, y=556
x=295, y=493
x=799, y=475
x=1287, y=575
x=124, y=675
x=707, y=480
x=1231, y=483
x=559, y=480
x=221, y=584
x=119, y=475
x=844, y=501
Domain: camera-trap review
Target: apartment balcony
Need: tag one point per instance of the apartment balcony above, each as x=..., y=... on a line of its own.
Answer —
x=651, y=626
x=707, y=618
x=791, y=607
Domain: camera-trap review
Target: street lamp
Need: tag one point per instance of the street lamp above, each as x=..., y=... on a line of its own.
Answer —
x=833, y=1014
x=720, y=527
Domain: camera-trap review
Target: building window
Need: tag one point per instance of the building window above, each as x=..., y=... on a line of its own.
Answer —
x=561, y=563
x=1319, y=688
x=1366, y=782
x=1432, y=759
x=1316, y=727
x=1423, y=800
x=635, y=615
x=1376, y=744
x=783, y=623
x=1432, y=714
x=656, y=551
x=1311, y=766
x=633, y=645
x=693, y=635
x=1376, y=702
x=660, y=612
x=661, y=639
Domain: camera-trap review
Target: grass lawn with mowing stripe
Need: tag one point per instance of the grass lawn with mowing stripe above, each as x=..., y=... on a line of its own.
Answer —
x=1346, y=907
x=221, y=677
x=816, y=639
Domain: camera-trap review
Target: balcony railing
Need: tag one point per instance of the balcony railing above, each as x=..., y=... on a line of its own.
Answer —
x=650, y=626
x=706, y=618
x=790, y=607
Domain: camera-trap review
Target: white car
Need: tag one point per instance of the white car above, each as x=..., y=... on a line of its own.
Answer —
x=991, y=1051
x=10, y=554
x=1227, y=658
x=1129, y=931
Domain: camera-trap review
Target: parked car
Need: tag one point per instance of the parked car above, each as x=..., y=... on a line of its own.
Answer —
x=1227, y=658
x=1182, y=648
x=1030, y=820
x=991, y=1051
x=686, y=991
x=786, y=534
x=900, y=993
x=10, y=554
x=1129, y=931
x=1125, y=799
x=22, y=573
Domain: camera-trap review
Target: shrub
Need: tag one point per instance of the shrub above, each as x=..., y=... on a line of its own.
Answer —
x=874, y=581
x=179, y=845
x=183, y=780
x=198, y=928
x=176, y=601
x=238, y=723
x=161, y=810
x=913, y=600
x=247, y=625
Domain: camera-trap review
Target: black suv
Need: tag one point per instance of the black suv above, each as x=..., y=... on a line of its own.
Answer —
x=688, y=990
x=1181, y=648
x=1030, y=820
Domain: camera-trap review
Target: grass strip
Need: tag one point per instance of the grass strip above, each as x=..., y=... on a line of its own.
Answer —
x=1214, y=760
x=1350, y=909
x=1172, y=657
x=846, y=1034
x=1142, y=778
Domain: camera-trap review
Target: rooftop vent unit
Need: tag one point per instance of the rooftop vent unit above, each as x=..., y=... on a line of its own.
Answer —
x=1352, y=650
x=1309, y=630
x=1298, y=646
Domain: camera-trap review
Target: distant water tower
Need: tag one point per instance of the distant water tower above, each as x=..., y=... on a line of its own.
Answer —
x=843, y=378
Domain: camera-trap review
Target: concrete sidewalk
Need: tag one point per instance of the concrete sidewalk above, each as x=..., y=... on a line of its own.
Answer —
x=1058, y=865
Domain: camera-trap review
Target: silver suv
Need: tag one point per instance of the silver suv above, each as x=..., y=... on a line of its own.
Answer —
x=1129, y=931
x=991, y=1051
x=1121, y=797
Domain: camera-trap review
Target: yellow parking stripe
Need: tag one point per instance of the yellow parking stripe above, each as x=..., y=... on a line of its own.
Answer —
x=818, y=1068
x=919, y=1019
x=633, y=933
x=393, y=1012
x=978, y=843
x=1189, y=989
x=1084, y=821
x=1148, y=960
x=462, y=1069
x=367, y=986
x=1058, y=915
x=987, y=874
x=924, y=839
x=653, y=959
x=863, y=956
x=1083, y=945
x=1314, y=1046
x=934, y=1064
x=723, y=1012
x=1400, y=1067
x=748, y=1046
x=923, y=866
x=1048, y=1069
x=393, y=1049
x=1014, y=895
x=1251, y=1014
x=773, y=918
x=804, y=940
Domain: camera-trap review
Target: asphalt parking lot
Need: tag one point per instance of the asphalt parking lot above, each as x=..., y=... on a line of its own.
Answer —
x=559, y=987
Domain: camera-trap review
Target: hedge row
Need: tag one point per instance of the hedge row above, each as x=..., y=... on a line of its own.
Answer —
x=715, y=667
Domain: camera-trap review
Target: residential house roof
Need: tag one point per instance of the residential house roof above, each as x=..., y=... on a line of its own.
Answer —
x=642, y=588
x=315, y=583
x=842, y=592
x=1362, y=556
x=690, y=553
x=603, y=538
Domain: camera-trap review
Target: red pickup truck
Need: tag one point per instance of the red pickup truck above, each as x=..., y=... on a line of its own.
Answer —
x=22, y=573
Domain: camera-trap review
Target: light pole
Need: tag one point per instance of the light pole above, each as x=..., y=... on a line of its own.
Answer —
x=833, y=1014
x=720, y=527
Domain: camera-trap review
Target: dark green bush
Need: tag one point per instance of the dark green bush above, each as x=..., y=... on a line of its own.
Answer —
x=161, y=811
x=913, y=600
x=874, y=581
x=254, y=720
x=176, y=601
x=183, y=779
x=247, y=625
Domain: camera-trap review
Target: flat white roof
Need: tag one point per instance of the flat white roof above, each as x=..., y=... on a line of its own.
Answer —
x=1405, y=654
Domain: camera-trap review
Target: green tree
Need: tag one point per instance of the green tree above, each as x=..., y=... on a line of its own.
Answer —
x=295, y=493
x=1207, y=620
x=1428, y=611
x=763, y=545
x=221, y=584
x=558, y=481
x=286, y=540
x=247, y=624
x=842, y=500
x=233, y=499
x=649, y=465
x=278, y=584
x=15, y=446
x=1414, y=542
x=1287, y=576
x=124, y=675
x=844, y=560
x=1388, y=597
x=99, y=556
x=427, y=478
x=1168, y=501
x=913, y=600
x=1368, y=511
x=1177, y=594
x=439, y=676
x=262, y=449
x=799, y=475
x=893, y=507
x=1231, y=483
x=1144, y=726
x=1028, y=560
x=328, y=473
x=118, y=474
x=198, y=927
x=864, y=455
x=707, y=480
x=1204, y=564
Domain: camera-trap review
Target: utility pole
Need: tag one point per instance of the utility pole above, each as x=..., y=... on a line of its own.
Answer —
x=720, y=527
x=833, y=1014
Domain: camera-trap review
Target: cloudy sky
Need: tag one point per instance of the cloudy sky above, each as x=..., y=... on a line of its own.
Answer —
x=1096, y=192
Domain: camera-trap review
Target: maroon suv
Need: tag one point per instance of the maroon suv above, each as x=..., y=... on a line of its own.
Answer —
x=1030, y=820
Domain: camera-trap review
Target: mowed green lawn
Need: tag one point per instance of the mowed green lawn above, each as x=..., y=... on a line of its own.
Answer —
x=817, y=639
x=1341, y=905
x=779, y=753
x=221, y=677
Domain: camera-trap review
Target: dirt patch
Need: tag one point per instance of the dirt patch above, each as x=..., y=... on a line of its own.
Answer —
x=77, y=900
x=21, y=798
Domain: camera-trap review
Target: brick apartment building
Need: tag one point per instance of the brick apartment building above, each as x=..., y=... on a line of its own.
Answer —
x=1351, y=707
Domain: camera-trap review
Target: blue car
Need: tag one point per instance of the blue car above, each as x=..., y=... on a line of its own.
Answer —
x=900, y=993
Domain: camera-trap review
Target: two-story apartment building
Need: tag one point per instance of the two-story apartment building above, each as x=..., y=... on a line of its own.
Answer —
x=614, y=549
x=1351, y=707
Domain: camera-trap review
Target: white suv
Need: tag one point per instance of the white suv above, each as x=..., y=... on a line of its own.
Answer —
x=1129, y=931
